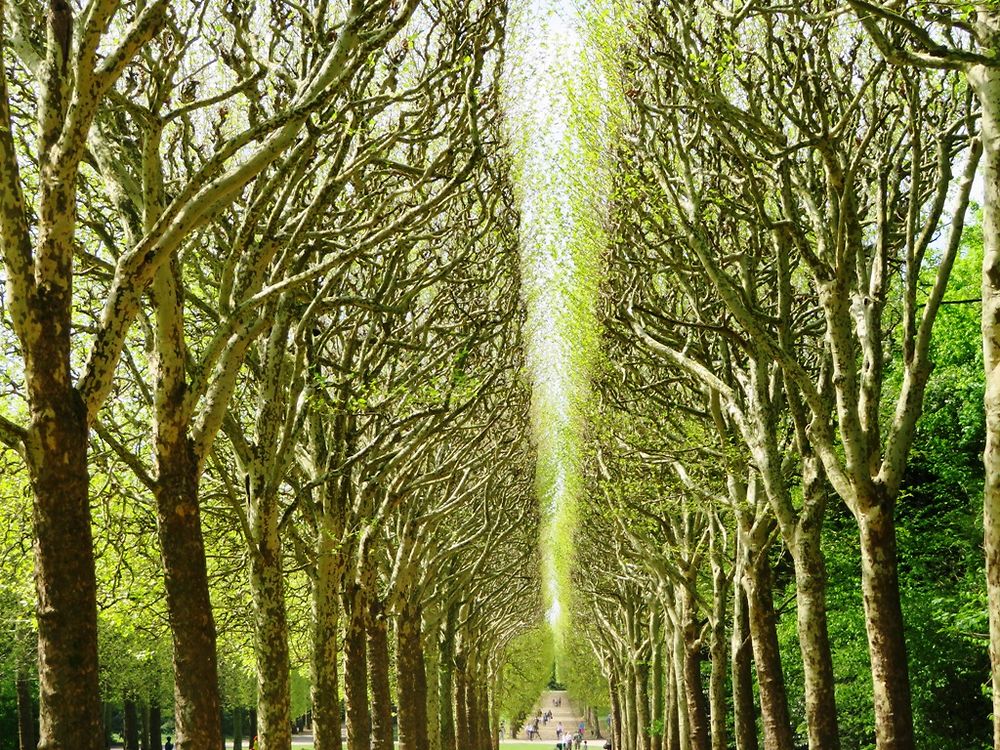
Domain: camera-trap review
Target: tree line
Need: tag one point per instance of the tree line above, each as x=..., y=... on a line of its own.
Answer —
x=264, y=414
x=792, y=282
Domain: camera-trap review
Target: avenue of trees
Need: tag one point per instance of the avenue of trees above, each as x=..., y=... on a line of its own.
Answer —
x=264, y=415
x=782, y=535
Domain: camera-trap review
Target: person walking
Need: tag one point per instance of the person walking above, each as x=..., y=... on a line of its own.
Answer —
x=559, y=731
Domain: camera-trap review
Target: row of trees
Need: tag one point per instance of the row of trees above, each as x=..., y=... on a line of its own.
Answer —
x=788, y=212
x=262, y=296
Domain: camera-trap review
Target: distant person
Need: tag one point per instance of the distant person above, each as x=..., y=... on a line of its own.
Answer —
x=559, y=731
x=581, y=728
x=168, y=745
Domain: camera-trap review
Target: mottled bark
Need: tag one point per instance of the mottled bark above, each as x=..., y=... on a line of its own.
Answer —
x=814, y=639
x=744, y=706
x=359, y=723
x=767, y=656
x=192, y=625
x=197, y=708
x=986, y=83
x=884, y=626
x=56, y=451
x=412, y=679
x=697, y=705
x=267, y=584
x=324, y=659
x=378, y=677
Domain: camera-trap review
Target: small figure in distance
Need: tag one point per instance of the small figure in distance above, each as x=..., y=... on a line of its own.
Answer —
x=168, y=745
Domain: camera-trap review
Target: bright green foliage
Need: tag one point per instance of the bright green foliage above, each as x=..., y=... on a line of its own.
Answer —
x=526, y=670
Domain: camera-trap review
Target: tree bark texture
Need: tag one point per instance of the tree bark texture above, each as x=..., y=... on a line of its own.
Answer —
x=446, y=683
x=192, y=625
x=378, y=677
x=814, y=640
x=697, y=705
x=432, y=667
x=325, y=688
x=642, y=704
x=744, y=706
x=412, y=679
x=359, y=722
x=267, y=582
x=767, y=656
x=65, y=583
x=884, y=625
x=986, y=83
x=616, y=711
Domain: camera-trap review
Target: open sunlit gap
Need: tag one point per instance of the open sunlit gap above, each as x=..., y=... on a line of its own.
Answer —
x=552, y=103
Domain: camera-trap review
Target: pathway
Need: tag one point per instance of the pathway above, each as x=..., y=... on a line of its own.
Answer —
x=565, y=713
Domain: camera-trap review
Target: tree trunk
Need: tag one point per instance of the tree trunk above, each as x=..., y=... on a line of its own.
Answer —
x=238, y=729
x=378, y=677
x=767, y=656
x=986, y=83
x=642, y=704
x=446, y=683
x=25, y=711
x=616, y=710
x=144, y=725
x=412, y=679
x=155, y=722
x=814, y=640
x=359, y=722
x=325, y=688
x=697, y=705
x=680, y=689
x=463, y=736
x=631, y=728
x=130, y=720
x=65, y=583
x=432, y=668
x=884, y=625
x=472, y=708
x=744, y=712
x=267, y=583
x=656, y=687
x=717, y=645
x=483, y=701
x=192, y=625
